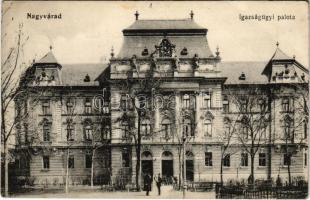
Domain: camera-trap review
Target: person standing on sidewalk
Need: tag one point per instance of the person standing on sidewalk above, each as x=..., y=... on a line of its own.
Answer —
x=147, y=183
x=158, y=181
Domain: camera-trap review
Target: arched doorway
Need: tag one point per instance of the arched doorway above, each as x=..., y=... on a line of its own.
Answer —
x=189, y=166
x=167, y=165
x=147, y=163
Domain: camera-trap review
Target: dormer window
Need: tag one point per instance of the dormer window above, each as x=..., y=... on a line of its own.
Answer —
x=242, y=76
x=184, y=51
x=145, y=52
x=87, y=78
x=302, y=76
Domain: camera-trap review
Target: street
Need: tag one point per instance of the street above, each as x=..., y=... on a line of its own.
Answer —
x=167, y=193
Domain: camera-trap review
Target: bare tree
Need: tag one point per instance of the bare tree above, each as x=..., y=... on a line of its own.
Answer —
x=139, y=95
x=295, y=123
x=253, y=118
x=13, y=70
x=227, y=138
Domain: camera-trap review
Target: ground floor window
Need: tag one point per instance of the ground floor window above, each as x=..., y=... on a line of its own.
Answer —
x=262, y=159
x=125, y=158
x=71, y=162
x=244, y=159
x=226, y=161
x=286, y=159
x=208, y=158
x=88, y=161
x=46, y=162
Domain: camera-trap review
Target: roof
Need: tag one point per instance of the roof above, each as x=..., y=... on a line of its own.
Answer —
x=74, y=74
x=48, y=58
x=280, y=55
x=164, y=24
x=134, y=45
x=251, y=69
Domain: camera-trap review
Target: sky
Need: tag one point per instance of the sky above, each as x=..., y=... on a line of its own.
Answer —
x=88, y=30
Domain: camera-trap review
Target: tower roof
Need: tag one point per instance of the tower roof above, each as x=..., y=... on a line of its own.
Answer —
x=48, y=58
x=280, y=55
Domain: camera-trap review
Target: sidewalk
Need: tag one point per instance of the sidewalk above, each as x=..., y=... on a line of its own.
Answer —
x=167, y=193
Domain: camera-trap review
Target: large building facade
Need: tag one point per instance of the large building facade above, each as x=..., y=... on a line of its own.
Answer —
x=167, y=96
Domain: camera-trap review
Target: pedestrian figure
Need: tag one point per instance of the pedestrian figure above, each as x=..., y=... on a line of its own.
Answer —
x=158, y=181
x=147, y=183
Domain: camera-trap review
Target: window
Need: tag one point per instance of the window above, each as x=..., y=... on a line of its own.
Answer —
x=208, y=158
x=286, y=159
x=88, y=161
x=287, y=129
x=208, y=128
x=262, y=159
x=207, y=100
x=46, y=132
x=166, y=128
x=226, y=161
x=145, y=127
x=88, y=107
x=186, y=101
x=244, y=128
x=125, y=130
x=285, y=104
x=88, y=130
x=306, y=160
x=225, y=104
x=105, y=132
x=70, y=106
x=243, y=105
x=46, y=107
x=123, y=103
x=187, y=131
x=71, y=162
x=46, y=162
x=305, y=129
x=262, y=105
x=70, y=131
x=125, y=158
x=244, y=159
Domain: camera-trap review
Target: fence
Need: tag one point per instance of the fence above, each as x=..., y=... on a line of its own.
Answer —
x=293, y=192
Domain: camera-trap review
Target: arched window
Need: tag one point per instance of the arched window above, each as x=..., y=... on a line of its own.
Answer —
x=146, y=127
x=208, y=128
x=166, y=128
x=187, y=127
x=88, y=130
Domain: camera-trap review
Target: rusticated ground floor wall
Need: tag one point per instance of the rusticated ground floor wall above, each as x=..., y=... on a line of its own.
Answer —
x=201, y=172
x=159, y=158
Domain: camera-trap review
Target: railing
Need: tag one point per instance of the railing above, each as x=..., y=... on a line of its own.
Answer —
x=236, y=192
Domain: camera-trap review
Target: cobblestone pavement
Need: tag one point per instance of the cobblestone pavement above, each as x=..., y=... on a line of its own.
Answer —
x=167, y=193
